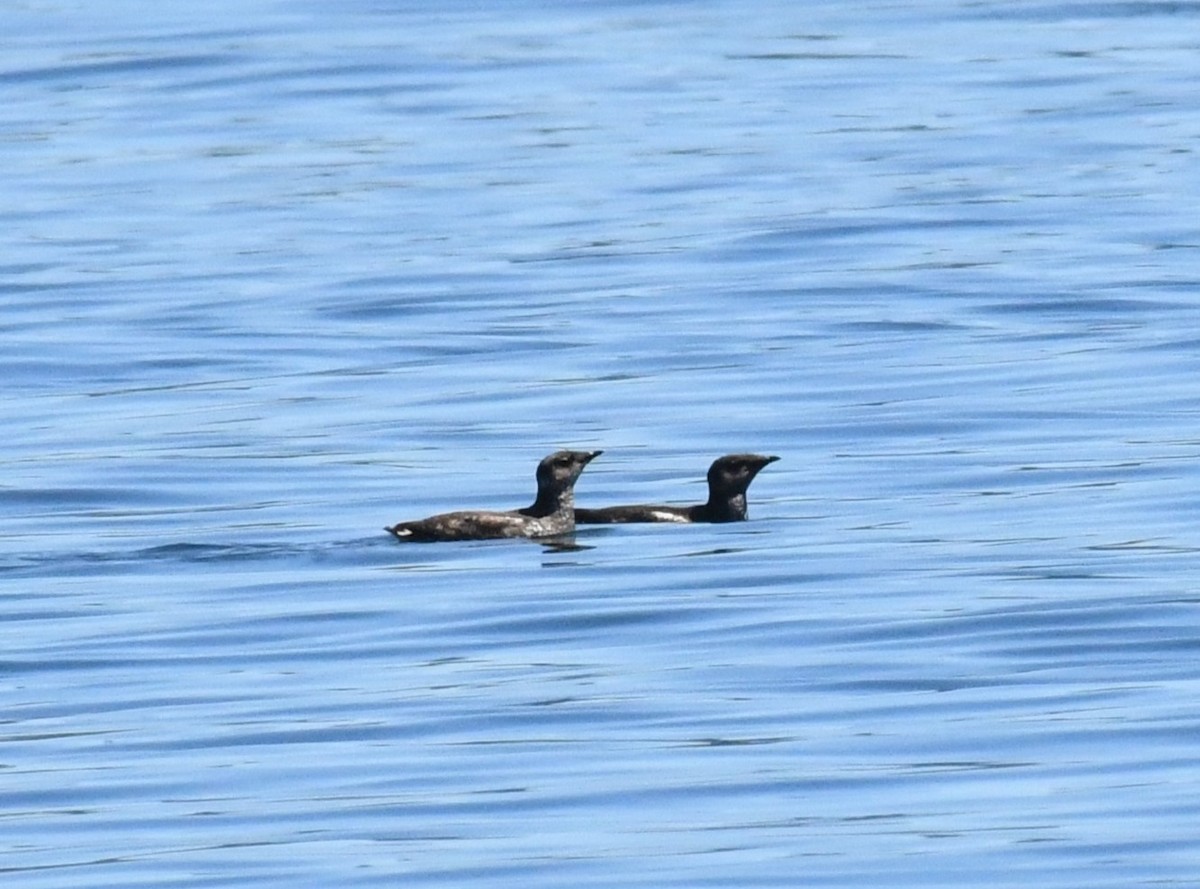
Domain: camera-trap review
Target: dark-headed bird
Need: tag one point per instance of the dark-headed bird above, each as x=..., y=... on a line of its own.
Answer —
x=728, y=479
x=552, y=513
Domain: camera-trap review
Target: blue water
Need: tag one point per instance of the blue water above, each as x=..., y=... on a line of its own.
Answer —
x=275, y=275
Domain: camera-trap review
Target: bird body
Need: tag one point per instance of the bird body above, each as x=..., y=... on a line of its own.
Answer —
x=551, y=514
x=728, y=479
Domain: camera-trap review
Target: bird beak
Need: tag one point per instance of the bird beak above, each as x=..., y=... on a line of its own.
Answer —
x=592, y=456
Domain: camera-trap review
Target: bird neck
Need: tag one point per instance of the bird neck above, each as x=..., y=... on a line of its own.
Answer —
x=728, y=508
x=548, y=503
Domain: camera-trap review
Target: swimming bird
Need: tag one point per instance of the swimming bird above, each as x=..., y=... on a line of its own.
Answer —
x=728, y=479
x=551, y=514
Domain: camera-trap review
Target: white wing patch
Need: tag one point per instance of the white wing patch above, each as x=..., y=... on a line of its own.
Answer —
x=666, y=516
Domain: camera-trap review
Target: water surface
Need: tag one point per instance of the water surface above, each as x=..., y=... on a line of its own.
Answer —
x=276, y=275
